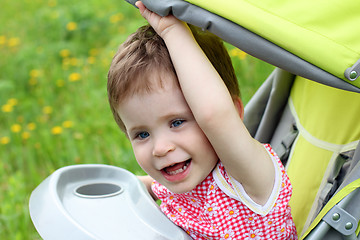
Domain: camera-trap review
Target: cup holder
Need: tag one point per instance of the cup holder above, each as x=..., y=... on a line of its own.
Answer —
x=98, y=190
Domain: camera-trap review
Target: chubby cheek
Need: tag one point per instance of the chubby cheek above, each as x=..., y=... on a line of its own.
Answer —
x=140, y=156
x=143, y=158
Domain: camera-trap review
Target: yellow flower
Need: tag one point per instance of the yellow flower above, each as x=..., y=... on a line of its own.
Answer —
x=31, y=126
x=33, y=81
x=4, y=140
x=235, y=52
x=73, y=77
x=12, y=101
x=16, y=128
x=56, y=130
x=2, y=40
x=67, y=124
x=91, y=60
x=65, y=53
x=116, y=18
x=71, y=26
x=13, y=42
x=7, y=108
x=47, y=109
x=35, y=73
x=25, y=135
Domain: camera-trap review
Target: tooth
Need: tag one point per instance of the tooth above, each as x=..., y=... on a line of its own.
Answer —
x=178, y=170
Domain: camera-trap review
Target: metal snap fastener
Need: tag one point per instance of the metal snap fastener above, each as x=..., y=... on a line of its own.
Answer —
x=348, y=226
x=353, y=75
x=336, y=216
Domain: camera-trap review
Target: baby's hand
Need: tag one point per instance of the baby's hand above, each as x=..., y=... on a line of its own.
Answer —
x=162, y=25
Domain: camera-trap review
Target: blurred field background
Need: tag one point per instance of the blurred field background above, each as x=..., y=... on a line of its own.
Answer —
x=54, y=57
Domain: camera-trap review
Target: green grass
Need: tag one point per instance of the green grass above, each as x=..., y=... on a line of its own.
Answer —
x=54, y=110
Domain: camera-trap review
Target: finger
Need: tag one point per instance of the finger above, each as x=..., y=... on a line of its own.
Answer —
x=141, y=6
x=146, y=13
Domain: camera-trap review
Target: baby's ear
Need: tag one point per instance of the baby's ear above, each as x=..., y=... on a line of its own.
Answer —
x=239, y=106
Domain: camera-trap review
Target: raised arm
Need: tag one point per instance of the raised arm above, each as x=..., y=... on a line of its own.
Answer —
x=244, y=158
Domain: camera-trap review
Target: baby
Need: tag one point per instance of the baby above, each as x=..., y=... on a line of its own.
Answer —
x=174, y=93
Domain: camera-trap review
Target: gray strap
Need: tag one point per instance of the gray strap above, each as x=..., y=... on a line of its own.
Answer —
x=283, y=149
x=336, y=177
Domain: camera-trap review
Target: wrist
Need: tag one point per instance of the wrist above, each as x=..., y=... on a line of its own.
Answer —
x=176, y=32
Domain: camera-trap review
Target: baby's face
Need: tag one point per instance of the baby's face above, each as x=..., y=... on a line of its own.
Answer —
x=167, y=142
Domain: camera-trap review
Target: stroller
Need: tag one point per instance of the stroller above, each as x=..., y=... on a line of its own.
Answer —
x=309, y=107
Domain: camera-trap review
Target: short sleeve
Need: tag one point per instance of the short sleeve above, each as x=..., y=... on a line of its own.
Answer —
x=235, y=190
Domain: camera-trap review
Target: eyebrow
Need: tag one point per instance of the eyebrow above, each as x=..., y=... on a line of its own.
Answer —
x=135, y=129
x=172, y=115
x=176, y=113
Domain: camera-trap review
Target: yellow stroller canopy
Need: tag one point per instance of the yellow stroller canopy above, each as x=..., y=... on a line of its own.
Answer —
x=324, y=33
x=317, y=40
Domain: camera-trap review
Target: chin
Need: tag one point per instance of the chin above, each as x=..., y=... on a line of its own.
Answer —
x=179, y=190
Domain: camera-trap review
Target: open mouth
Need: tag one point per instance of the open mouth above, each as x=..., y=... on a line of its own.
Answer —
x=176, y=169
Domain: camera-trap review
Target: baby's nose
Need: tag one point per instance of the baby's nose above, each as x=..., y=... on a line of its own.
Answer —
x=162, y=147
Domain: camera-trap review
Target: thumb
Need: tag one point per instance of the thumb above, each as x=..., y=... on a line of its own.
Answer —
x=146, y=13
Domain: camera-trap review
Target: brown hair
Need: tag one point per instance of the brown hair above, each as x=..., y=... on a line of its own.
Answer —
x=144, y=53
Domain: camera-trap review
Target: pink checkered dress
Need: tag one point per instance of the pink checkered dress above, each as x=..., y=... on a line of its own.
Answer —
x=219, y=208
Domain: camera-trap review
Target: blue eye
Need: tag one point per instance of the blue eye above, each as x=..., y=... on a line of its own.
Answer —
x=143, y=135
x=177, y=123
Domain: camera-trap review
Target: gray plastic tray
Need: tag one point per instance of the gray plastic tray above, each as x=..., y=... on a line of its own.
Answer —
x=98, y=202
